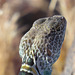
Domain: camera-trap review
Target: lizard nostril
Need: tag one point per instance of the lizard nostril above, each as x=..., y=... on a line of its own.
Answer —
x=63, y=19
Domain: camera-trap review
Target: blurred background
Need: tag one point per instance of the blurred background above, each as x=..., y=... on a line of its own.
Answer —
x=17, y=17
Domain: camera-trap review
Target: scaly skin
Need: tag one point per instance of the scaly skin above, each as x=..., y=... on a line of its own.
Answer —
x=40, y=46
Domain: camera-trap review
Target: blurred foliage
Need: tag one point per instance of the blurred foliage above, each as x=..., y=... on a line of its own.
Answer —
x=17, y=17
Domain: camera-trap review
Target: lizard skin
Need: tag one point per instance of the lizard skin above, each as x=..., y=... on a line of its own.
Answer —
x=40, y=46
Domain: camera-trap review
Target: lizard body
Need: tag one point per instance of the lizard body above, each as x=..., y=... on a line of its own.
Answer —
x=40, y=46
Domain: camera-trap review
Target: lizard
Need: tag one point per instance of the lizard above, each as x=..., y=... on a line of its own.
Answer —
x=40, y=47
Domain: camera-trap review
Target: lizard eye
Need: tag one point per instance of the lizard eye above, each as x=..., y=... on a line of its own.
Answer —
x=40, y=21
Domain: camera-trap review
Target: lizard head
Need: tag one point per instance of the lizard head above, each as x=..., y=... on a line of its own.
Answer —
x=42, y=43
x=55, y=23
x=53, y=30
